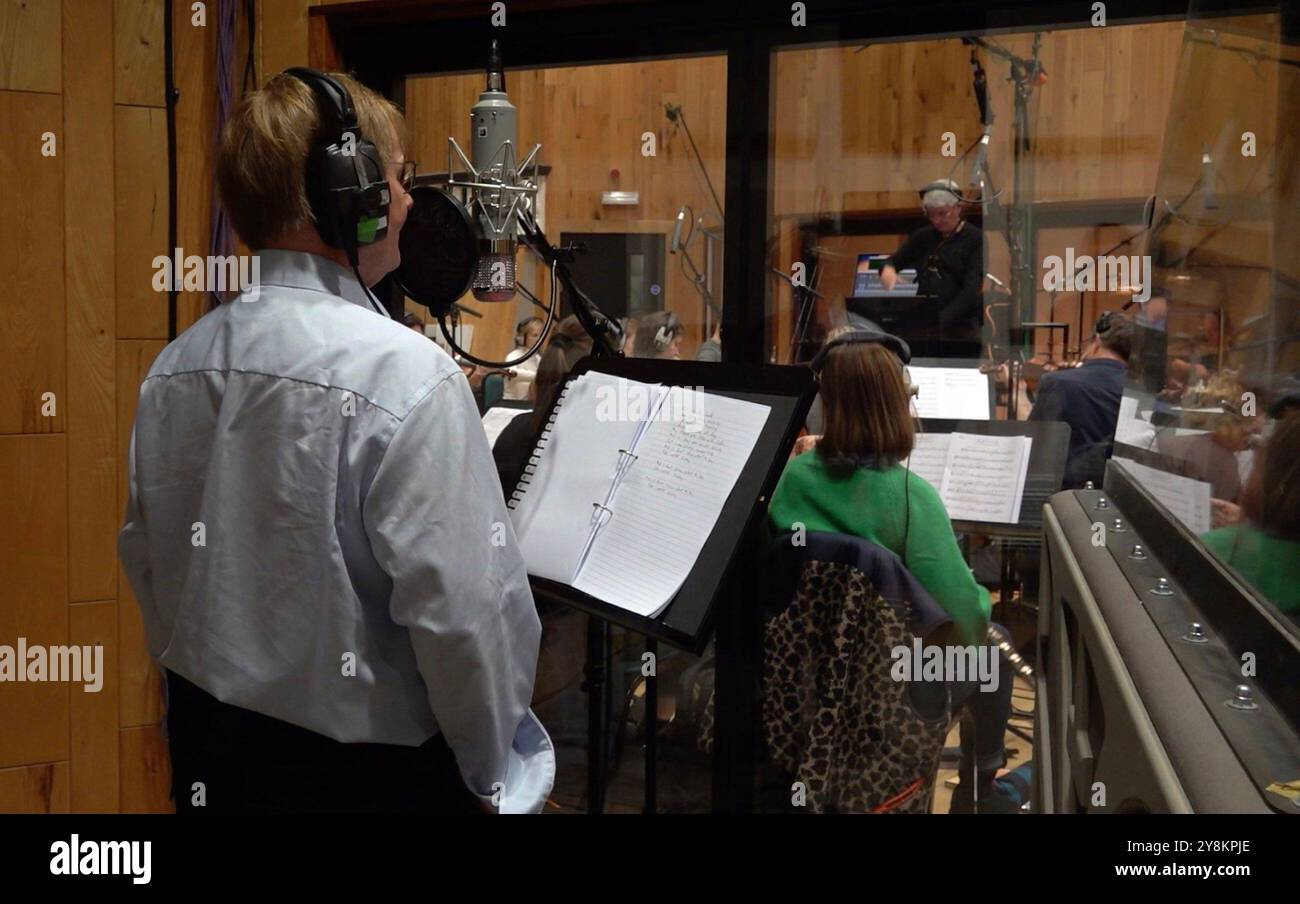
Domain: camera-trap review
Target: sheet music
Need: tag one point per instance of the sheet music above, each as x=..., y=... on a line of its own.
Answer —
x=984, y=479
x=929, y=457
x=669, y=501
x=952, y=393
x=497, y=419
x=552, y=519
x=1186, y=499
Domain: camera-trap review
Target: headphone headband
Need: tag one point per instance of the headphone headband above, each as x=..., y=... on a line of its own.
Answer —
x=858, y=337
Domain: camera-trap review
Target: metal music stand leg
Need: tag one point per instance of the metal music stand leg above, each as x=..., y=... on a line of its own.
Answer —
x=594, y=672
x=651, y=726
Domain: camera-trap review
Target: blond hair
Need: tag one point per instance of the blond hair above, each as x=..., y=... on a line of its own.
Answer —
x=264, y=147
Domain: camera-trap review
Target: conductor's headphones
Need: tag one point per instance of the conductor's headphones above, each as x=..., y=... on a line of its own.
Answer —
x=942, y=185
x=346, y=186
x=863, y=335
x=664, y=335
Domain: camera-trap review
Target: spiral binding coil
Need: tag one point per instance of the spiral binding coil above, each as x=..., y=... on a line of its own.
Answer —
x=530, y=469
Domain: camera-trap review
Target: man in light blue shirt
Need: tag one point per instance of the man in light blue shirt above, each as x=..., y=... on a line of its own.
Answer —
x=315, y=532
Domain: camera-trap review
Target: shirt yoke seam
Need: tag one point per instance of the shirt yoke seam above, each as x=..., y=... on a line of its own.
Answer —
x=432, y=383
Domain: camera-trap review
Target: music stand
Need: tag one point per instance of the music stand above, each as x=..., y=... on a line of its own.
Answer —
x=734, y=547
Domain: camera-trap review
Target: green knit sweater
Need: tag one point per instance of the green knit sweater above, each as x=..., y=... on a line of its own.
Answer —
x=1270, y=564
x=873, y=504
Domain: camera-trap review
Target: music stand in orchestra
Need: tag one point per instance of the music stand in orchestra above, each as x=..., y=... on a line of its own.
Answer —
x=706, y=598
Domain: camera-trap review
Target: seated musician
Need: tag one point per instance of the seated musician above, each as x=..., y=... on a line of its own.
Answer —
x=1087, y=398
x=853, y=483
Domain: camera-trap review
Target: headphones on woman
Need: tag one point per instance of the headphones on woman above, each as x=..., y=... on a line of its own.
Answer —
x=345, y=181
x=664, y=335
x=860, y=335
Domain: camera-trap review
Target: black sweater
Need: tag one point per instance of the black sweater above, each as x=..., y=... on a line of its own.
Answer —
x=952, y=271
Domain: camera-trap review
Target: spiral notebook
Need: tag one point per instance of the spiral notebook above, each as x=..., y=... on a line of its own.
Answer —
x=626, y=484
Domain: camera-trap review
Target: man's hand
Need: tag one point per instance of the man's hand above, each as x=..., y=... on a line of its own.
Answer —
x=888, y=278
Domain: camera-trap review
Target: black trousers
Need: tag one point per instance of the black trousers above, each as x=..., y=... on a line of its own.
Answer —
x=247, y=762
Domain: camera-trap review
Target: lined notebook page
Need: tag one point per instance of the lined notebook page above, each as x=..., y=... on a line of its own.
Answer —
x=669, y=502
x=552, y=516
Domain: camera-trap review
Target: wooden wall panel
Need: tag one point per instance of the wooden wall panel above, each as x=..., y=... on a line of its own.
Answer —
x=34, y=597
x=94, y=717
x=40, y=788
x=30, y=54
x=140, y=687
x=138, y=52
x=146, y=770
x=31, y=259
x=93, y=517
x=281, y=35
x=140, y=202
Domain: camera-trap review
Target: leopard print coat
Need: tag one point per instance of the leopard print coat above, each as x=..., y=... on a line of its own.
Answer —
x=834, y=720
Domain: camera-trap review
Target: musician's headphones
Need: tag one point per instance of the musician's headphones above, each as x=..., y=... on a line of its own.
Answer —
x=664, y=335
x=1103, y=323
x=947, y=185
x=346, y=186
x=861, y=335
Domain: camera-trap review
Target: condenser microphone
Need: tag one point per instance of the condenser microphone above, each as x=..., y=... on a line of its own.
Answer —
x=675, y=245
x=494, y=136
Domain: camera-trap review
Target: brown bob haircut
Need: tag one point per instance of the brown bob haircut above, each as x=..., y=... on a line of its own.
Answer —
x=262, y=163
x=867, y=405
x=1272, y=495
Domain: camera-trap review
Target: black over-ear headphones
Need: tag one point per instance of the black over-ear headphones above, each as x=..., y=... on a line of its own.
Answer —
x=345, y=180
x=947, y=185
x=1103, y=323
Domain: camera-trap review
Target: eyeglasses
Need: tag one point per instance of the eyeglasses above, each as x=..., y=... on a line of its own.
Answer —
x=408, y=175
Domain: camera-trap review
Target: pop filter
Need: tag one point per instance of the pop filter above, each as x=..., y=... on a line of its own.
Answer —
x=439, y=245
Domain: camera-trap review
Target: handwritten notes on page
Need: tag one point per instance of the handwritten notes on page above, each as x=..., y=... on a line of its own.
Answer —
x=951, y=393
x=669, y=502
x=658, y=509
x=979, y=478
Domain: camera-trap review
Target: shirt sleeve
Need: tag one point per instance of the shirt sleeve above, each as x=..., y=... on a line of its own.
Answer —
x=133, y=548
x=438, y=527
x=906, y=254
x=935, y=560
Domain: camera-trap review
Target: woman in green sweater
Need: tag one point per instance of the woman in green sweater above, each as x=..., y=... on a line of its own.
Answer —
x=1265, y=548
x=853, y=483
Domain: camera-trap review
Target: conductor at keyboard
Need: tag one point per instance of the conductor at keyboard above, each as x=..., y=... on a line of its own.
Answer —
x=948, y=256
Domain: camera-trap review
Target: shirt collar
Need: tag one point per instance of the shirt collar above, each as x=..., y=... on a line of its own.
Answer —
x=1109, y=362
x=304, y=270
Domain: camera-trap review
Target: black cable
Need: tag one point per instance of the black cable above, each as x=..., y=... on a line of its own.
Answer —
x=250, y=64
x=172, y=95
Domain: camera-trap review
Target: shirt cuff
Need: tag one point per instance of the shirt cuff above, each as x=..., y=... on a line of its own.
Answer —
x=530, y=770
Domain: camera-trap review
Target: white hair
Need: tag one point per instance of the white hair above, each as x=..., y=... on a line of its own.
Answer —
x=939, y=197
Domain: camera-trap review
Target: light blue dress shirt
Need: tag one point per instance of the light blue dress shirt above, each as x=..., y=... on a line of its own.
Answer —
x=316, y=531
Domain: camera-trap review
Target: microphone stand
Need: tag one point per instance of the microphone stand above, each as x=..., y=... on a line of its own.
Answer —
x=606, y=336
